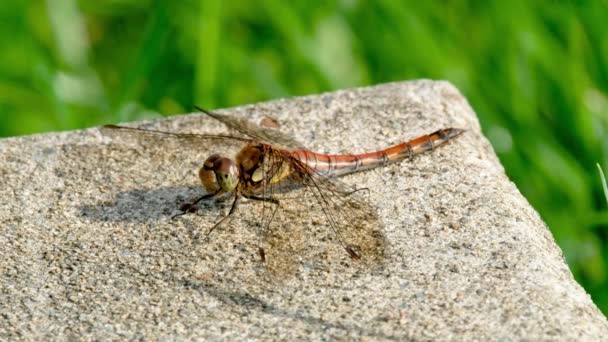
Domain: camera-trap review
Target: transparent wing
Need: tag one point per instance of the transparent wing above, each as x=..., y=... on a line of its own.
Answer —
x=152, y=136
x=259, y=133
x=317, y=218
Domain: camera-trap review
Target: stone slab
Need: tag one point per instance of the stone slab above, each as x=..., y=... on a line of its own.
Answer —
x=89, y=251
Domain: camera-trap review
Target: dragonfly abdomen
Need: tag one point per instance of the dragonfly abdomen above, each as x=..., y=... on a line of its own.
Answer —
x=341, y=164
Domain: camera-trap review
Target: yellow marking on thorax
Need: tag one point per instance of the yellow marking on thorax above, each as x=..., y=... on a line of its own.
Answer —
x=281, y=174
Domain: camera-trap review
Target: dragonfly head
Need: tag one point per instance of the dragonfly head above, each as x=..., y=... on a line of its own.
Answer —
x=219, y=173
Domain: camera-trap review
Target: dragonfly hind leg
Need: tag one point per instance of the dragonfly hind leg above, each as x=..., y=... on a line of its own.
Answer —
x=348, y=193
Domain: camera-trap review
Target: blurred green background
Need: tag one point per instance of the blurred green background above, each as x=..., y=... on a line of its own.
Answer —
x=536, y=73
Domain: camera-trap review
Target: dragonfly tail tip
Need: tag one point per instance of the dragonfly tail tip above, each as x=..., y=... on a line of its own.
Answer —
x=456, y=132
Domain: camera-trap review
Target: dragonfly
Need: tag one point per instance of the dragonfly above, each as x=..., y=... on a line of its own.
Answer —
x=271, y=165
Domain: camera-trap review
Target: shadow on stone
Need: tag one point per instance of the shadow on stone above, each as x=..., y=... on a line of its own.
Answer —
x=243, y=300
x=143, y=205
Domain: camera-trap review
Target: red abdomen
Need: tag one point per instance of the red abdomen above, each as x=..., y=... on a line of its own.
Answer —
x=341, y=164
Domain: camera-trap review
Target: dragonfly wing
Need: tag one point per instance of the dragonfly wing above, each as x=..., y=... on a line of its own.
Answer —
x=335, y=213
x=263, y=134
x=185, y=140
x=350, y=217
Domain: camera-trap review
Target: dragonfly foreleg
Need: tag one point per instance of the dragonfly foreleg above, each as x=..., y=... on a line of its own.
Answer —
x=261, y=233
x=191, y=207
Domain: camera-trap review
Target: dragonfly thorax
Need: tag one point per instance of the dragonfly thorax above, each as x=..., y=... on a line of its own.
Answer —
x=219, y=174
x=250, y=161
x=260, y=165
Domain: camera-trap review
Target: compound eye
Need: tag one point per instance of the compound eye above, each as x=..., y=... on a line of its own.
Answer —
x=208, y=173
x=226, y=173
x=210, y=162
x=209, y=180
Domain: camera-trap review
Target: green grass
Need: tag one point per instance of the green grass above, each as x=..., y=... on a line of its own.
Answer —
x=535, y=72
x=603, y=179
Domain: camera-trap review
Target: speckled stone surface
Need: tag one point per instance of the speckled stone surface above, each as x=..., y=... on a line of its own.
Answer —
x=88, y=249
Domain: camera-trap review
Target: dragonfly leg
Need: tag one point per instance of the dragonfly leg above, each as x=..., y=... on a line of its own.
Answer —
x=357, y=190
x=261, y=233
x=235, y=203
x=188, y=207
x=262, y=199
